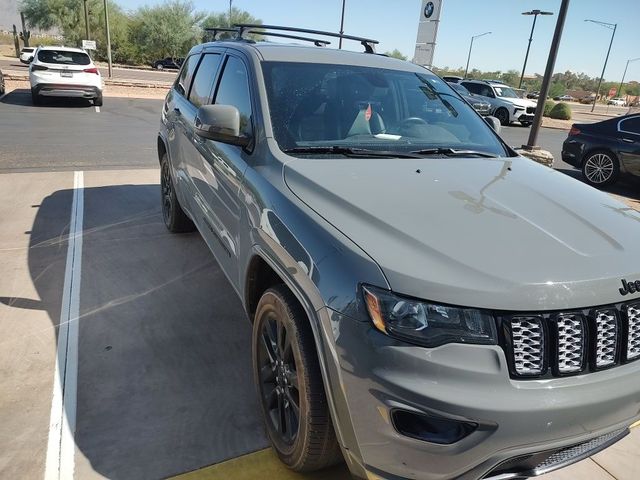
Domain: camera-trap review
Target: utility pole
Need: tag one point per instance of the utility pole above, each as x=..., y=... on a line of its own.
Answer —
x=605, y=25
x=230, y=5
x=106, y=24
x=625, y=74
x=86, y=20
x=16, y=42
x=341, y=25
x=470, y=47
x=535, y=14
x=548, y=73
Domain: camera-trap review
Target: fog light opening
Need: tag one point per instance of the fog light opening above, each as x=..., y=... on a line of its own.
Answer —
x=431, y=429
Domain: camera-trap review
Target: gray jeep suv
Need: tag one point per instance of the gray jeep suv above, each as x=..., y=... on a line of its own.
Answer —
x=426, y=303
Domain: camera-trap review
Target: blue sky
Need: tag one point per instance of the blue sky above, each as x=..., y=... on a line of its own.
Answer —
x=395, y=23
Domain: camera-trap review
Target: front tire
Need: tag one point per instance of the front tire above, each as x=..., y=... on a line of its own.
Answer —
x=525, y=124
x=35, y=98
x=502, y=114
x=600, y=168
x=174, y=217
x=159, y=66
x=98, y=101
x=289, y=383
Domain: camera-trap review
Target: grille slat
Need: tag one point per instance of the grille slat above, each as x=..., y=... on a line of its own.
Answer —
x=571, y=339
x=527, y=339
x=606, y=338
x=568, y=343
x=633, y=340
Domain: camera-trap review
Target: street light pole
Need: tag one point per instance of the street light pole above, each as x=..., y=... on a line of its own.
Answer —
x=86, y=20
x=625, y=74
x=535, y=14
x=106, y=24
x=230, y=5
x=609, y=26
x=341, y=25
x=470, y=47
x=548, y=73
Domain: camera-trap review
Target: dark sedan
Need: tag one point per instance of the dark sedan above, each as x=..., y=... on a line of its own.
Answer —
x=168, y=63
x=605, y=150
x=483, y=108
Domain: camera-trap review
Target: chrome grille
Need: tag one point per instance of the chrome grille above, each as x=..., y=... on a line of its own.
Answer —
x=606, y=337
x=569, y=343
x=633, y=339
x=527, y=338
x=571, y=339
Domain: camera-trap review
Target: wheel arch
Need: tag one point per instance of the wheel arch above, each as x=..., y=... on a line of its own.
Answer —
x=162, y=148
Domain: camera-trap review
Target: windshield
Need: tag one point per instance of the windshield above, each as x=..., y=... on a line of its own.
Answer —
x=63, y=57
x=505, y=92
x=317, y=105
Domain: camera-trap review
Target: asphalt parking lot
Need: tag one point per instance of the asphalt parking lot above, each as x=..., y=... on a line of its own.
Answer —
x=100, y=305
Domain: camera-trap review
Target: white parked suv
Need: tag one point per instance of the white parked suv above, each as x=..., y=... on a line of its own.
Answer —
x=507, y=106
x=26, y=54
x=64, y=72
x=618, y=102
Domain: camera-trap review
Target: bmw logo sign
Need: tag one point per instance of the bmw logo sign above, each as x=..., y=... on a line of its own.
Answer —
x=428, y=9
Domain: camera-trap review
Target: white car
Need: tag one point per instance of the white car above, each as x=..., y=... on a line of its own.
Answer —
x=64, y=72
x=26, y=54
x=618, y=102
x=506, y=105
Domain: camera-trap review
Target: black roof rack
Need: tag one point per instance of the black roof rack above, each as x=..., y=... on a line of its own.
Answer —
x=215, y=30
x=367, y=43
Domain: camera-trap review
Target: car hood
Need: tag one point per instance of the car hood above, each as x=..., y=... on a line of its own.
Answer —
x=505, y=234
x=521, y=102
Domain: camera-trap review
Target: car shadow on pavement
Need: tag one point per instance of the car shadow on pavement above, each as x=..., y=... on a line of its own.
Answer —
x=165, y=383
x=22, y=97
x=625, y=187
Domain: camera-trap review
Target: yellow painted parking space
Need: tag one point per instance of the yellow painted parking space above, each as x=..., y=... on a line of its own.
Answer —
x=261, y=465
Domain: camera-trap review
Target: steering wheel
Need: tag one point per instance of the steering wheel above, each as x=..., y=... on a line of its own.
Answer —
x=413, y=121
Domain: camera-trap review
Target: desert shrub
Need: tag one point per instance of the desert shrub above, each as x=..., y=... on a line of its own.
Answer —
x=561, y=111
x=548, y=106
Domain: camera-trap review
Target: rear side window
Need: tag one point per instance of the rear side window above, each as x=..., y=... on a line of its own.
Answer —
x=204, y=78
x=184, y=78
x=234, y=90
x=631, y=125
x=472, y=87
x=27, y=50
x=63, y=57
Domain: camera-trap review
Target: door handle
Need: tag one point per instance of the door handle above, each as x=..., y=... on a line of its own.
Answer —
x=628, y=140
x=176, y=110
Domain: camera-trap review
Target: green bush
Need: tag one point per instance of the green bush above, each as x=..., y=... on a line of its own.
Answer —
x=561, y=111
x=548, y=106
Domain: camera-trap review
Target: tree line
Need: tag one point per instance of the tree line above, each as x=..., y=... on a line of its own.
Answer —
x=561, y=83
x=139, y=37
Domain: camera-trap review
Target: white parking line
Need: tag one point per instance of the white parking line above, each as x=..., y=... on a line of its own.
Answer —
x=97, y=109
x=61, y=446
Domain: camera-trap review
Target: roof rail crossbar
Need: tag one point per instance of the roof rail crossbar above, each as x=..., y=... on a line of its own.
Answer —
x=367, y=43
x=317, y=42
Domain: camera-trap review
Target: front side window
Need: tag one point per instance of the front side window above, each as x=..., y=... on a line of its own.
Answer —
x=184, y=77
x=204, y=78
x=63, y=57
x=325, y=105
x=234, y=90
x=505, y=92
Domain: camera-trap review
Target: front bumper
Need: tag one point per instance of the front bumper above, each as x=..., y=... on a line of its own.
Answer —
x=525, y=117
x=66, y=90
x=374, y=374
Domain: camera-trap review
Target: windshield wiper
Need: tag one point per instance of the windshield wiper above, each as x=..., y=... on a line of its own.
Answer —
x=351, y=151
x=450, y=152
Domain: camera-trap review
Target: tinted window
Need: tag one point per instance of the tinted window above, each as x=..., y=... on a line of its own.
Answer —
x=365, y=107
x=631, y=125
x=234, y=90
x=63, y=57
x=459, y=88
x=184, y=78
x=472, y=87
x=203, y=80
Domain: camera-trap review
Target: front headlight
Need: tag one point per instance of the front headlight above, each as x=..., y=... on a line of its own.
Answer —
x=426, y=323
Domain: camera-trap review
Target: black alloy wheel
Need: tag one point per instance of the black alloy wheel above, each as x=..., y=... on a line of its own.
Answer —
x=174, y=217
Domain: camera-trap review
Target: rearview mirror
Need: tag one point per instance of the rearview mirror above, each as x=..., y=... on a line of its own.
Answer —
x=220, y=123
x=493, y=122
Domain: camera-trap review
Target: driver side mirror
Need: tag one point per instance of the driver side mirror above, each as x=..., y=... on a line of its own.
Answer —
x=493, y=122
x=220, y=123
